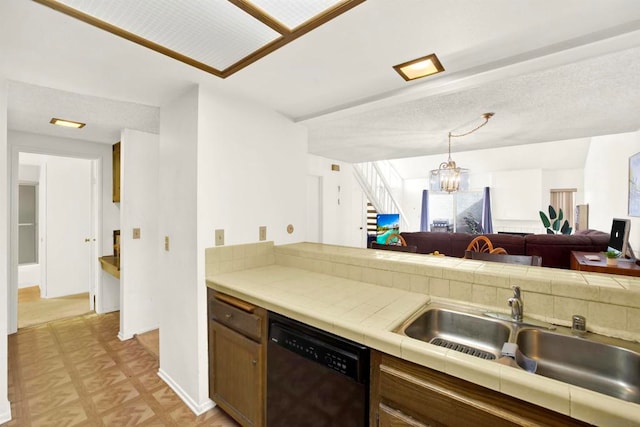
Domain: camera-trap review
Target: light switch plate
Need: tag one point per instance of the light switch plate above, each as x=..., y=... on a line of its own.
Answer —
x=262, y=233
x=136, y=233
x=219, y=237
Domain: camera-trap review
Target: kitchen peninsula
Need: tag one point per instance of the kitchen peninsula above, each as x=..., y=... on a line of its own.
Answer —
x=362, y=295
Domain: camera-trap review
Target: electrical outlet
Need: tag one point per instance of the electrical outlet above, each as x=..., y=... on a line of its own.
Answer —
x=262, y=233
x=219, y=237
x=166, y=243
x=136, y=233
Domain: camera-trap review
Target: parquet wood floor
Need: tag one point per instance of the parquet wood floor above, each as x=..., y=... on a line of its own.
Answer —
x=76, y=372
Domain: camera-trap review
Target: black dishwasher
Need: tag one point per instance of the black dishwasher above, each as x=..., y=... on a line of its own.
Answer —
x=314, y=378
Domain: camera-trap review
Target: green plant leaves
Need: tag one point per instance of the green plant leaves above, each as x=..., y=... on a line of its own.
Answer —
x=545, y=220
x=554, y=222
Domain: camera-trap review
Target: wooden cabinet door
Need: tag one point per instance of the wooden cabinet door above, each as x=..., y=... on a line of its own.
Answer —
x=237, y=375
x=115, y=158
x=389, y=417
x=406, y=394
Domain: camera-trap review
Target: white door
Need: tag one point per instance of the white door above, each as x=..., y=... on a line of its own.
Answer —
x=69, y=238
x=314, y=209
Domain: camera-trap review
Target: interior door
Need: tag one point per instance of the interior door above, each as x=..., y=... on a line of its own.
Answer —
x=69, y=238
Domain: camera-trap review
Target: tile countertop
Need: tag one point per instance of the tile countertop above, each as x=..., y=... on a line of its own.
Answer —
x=367, y=313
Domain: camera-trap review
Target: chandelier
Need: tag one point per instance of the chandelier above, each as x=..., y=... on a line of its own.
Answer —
x=449, y=177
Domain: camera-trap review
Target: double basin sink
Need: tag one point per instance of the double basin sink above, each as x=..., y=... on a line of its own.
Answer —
x=606, y=365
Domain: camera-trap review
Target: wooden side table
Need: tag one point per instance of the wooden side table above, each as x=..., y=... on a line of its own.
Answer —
x=585, y=261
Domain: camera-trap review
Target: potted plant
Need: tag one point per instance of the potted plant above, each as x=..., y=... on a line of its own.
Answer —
x=612, y=257
x=554, y=222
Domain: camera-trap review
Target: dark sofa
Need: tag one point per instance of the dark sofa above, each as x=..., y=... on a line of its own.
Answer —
x=555, y=249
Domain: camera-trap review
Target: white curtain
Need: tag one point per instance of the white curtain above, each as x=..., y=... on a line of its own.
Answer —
x=564, y=199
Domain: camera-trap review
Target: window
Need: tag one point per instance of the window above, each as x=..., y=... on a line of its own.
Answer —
x=564, y=199
x=27, y=224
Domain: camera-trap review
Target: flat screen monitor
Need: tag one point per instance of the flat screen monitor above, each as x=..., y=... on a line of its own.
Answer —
x=387, y=224
x=619, y=237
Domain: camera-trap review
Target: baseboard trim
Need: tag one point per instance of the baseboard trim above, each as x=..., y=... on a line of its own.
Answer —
x=197, y=409
x=5, y=412
x=123, y=337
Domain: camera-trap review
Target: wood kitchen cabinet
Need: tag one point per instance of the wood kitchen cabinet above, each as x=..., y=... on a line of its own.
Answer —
x=237, y=361
x=115, y=169
x=404, y=394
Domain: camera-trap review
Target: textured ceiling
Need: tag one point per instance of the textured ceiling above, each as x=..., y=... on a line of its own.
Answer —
x=31, y=108
x=572, y=101
x=549, y=70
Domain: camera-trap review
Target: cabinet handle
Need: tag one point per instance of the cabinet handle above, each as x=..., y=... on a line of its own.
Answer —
x=228, y=316
x=254, y=362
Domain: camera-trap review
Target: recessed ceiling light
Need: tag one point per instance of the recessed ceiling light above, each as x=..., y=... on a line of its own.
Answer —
x=421, y=67
x=67, y=123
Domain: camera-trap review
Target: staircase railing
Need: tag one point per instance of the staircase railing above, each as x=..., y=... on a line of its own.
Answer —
x=375, y=178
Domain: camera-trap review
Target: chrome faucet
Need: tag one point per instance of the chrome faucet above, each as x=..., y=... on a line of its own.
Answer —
x=516, y=304
x=578, y=325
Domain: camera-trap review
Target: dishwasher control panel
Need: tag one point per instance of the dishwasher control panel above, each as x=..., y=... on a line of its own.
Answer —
x=339, y=360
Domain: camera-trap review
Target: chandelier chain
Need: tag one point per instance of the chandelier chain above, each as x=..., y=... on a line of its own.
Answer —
x=486, y=117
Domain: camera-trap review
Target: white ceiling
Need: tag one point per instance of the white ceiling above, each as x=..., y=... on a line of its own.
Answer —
x=549, y=70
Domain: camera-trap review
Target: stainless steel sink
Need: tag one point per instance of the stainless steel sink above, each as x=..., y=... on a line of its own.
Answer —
x=602, y=364
x=590, y=362
x=461, y=331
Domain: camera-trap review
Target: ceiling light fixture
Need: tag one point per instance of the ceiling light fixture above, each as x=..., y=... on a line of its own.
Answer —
x=421, y=67
x=449, y=177
x=67, y=123
x=219, y=37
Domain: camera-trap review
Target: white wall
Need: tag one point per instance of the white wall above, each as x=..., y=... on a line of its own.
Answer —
x=138, y=209
x=108, y=292
x=29, y=173
x=5, y=408
x=178, y=288
x=412, y=202
x=251, y=164
x=225, y=163
x=44, y=144
x=343, y=202
x=607, y=182
x=251, y=172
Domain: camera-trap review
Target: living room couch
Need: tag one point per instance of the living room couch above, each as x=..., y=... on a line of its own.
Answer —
x=555, y=249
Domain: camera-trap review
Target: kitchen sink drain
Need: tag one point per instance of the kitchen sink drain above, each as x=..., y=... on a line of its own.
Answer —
x=440, y=342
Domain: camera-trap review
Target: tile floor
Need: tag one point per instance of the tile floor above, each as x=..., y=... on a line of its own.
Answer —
x=76, y=372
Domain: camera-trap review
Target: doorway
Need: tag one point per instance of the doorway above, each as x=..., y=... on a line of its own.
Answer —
x=61, y=280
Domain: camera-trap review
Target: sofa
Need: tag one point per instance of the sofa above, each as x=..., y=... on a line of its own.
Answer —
x=555, y=249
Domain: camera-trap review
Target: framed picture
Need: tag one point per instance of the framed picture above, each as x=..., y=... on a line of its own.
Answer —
x=634, y=185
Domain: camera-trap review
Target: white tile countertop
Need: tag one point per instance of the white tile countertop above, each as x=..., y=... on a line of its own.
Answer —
x=367, y=313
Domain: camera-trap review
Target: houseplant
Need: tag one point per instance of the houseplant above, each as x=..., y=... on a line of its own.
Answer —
x=553, y=223
x=612, y=257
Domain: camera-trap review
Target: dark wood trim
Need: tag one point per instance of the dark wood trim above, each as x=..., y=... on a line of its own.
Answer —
x=128, y=36
x=303, y=29
x=287, y=34
x=261, y=16
x=242, y=305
